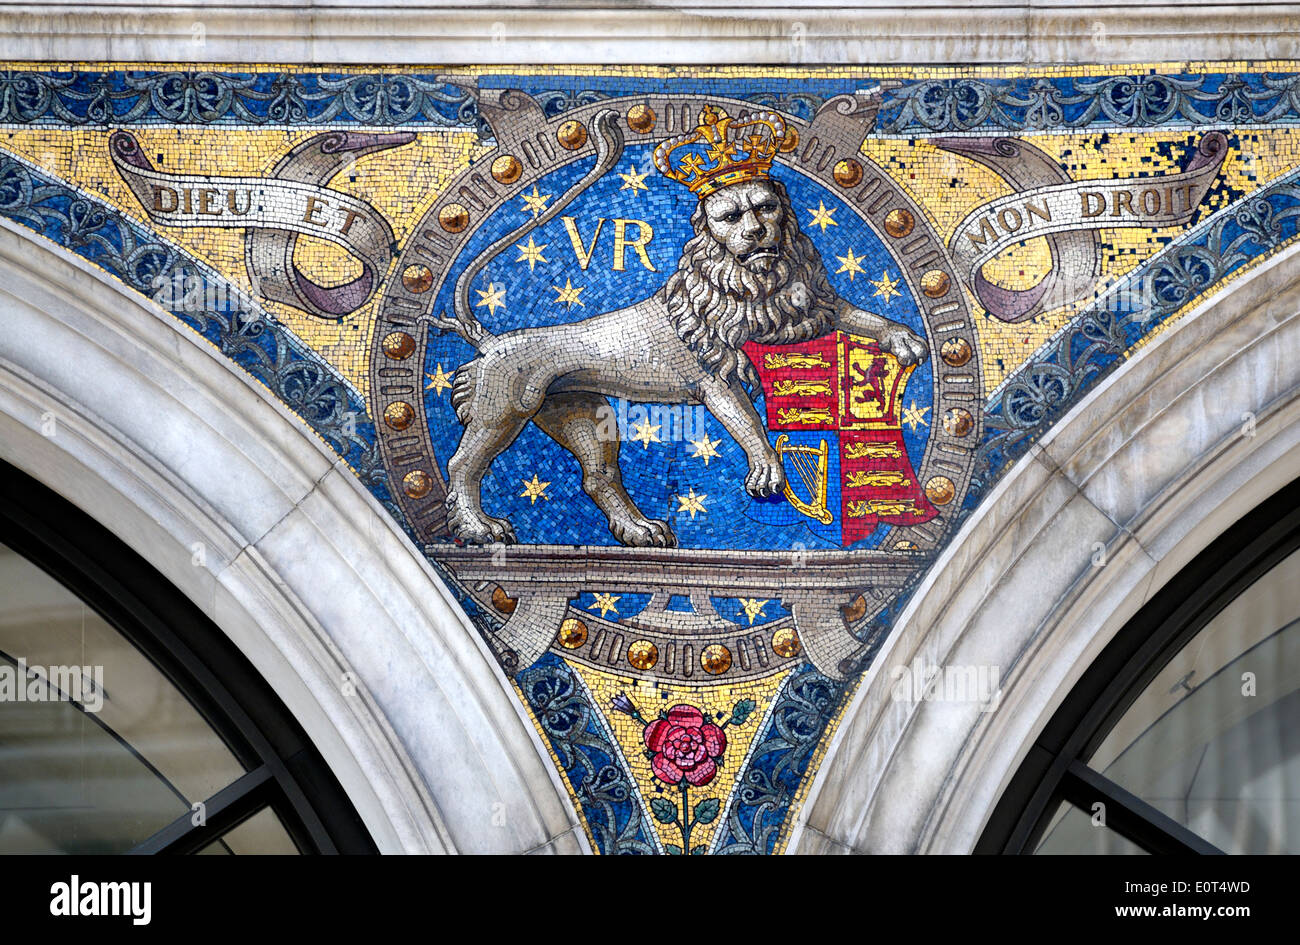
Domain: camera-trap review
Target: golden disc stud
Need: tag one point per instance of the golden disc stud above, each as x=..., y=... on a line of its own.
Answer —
x=940, y=490
x=502, y=601
x=955, y=352
x=935, y=283
x=958, y=422
x=506, y=169
x=573, y=633
x=417, y=483
x=854, y=609
x=398, y=345
x=899, y=223
x=847, y=173
x=572, y=135
x=399, y=414
x=643, y=654
x=715, y=659
x=417, y=278
x=641, y=119
x=453, y=218
x=785, y=643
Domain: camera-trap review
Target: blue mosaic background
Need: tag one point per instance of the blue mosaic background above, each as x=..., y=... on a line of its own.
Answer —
x=655, y=474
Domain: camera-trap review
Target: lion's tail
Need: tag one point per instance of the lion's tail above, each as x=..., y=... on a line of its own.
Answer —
x=608, y=137
x=465, y=325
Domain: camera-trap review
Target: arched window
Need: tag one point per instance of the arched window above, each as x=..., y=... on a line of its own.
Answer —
x=128, y=721
x=1184, y=735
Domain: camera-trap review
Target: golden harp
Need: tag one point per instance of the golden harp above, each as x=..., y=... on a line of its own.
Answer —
x=813, y=465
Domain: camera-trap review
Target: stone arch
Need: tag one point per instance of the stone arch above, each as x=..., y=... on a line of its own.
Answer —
x=1194, y=431
x=164, y=441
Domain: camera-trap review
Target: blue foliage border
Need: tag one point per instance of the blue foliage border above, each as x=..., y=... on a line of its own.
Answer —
x=119, y=97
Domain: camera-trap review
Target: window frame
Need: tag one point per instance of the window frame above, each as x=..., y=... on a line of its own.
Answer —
x=1056, y=768
x=284, y=771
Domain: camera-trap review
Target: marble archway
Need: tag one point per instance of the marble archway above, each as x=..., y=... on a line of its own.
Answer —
x=147, y=428
x=1144, y=473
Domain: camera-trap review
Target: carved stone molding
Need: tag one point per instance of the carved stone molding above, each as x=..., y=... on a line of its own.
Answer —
x=1153, y=466
x=159, y=440
x=708, y=31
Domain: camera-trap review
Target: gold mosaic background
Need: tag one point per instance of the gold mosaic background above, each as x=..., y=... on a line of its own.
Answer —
x=404, y=182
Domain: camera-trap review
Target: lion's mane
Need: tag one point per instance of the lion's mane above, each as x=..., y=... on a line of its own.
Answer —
x=716, y=304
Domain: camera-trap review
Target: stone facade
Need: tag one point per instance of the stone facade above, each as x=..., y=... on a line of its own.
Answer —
x=599, y=458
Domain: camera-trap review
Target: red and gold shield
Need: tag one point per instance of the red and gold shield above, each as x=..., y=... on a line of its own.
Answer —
x=846, y=386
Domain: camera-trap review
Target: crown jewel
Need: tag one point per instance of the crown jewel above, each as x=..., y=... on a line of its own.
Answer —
x=723, y=150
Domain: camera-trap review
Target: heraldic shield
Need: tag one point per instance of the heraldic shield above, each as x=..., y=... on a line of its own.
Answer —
x=834, y=412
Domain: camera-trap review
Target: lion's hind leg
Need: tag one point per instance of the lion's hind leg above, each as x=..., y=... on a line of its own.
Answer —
x=582, y=423
x=479, y=445
x=479, y=397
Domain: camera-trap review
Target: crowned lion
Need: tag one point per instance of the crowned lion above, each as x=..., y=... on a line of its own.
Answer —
x=748, y=274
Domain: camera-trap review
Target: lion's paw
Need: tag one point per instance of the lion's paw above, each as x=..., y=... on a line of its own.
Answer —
x=904, y=344
x=643, y=533
x=476, y=528
x=501, y=529
x=766, y=477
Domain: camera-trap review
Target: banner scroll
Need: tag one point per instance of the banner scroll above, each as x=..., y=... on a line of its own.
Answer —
x=1048, y=203
x=275, y=211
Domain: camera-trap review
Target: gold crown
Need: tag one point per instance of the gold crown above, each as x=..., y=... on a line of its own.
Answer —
x=724, y=150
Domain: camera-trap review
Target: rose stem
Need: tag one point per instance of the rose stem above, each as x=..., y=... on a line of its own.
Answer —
x=686, y=822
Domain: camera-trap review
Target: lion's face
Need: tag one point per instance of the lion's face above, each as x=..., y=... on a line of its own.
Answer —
x=748, y=274
x=746, y=219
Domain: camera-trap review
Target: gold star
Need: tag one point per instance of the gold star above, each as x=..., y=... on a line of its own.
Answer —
x=493, y=298
x=604, y=602
x=534, y=490
x=821, y=216
x=753, y=608
x=646, y=433
x=705, y=448
x=692, y=503
x=914, y=415
x=886, y=287
x=535, y=203
x=532, y=253
x=438, y=382
x=633, y=181
x=569, y=294
x=850, y=264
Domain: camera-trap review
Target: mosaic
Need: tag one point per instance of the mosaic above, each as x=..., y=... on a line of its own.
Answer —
x=680, y=378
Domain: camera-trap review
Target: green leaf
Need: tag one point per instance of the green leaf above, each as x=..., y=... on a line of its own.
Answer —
x=741, y=710
x=699, y=851
x=706, y=811
x=673, y=849
x=665, y=811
